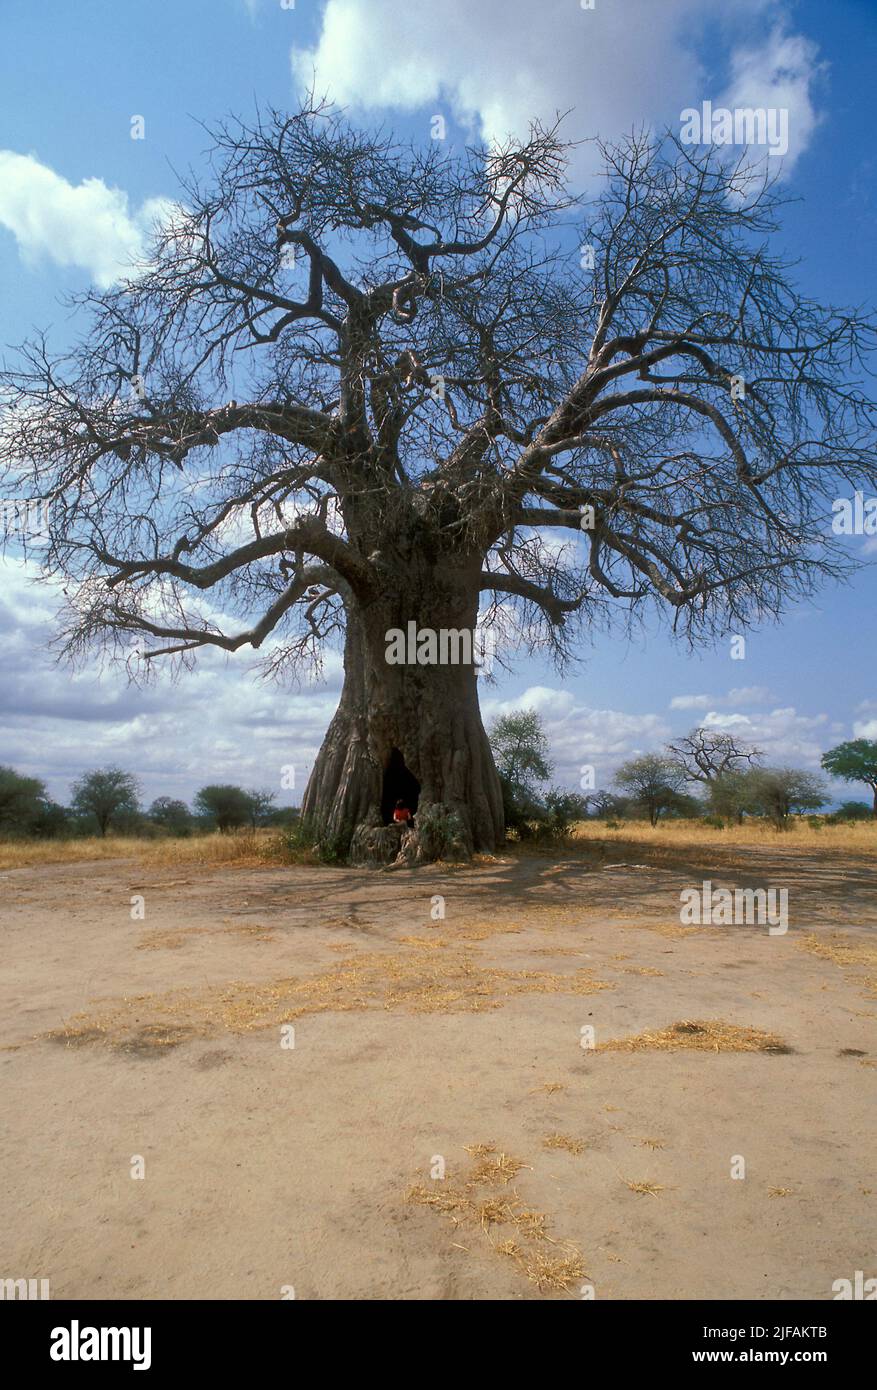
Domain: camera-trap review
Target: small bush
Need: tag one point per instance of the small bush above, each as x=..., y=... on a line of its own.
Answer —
x=300, y=842
x=564, y=809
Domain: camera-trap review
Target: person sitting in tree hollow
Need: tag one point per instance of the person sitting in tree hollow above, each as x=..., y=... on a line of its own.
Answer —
x=401, y=814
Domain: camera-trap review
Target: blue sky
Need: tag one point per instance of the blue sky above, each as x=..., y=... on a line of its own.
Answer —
x=73, y=185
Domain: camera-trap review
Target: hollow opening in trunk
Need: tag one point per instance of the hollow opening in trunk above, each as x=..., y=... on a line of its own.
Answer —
x=399, y=785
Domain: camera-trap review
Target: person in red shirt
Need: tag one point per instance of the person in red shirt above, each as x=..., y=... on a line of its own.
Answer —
x=402, y=815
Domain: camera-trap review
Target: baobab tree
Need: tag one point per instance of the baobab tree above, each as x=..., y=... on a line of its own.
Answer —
x=356, y=385
x=707, y=755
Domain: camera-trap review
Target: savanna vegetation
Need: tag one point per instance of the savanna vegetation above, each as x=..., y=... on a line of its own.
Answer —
x=705, y=786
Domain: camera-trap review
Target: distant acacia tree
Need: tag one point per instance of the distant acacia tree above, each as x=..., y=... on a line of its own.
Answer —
x=653, y=783
x=705, y=755
x=606, y=804
x=733, y=794
x=261, y=806
x=855, y=761
x=107, y=794
x=174, y=816
x=358, y=386
x=228, y=806
x=853, y=810
x=778, y=792
x=21, y=799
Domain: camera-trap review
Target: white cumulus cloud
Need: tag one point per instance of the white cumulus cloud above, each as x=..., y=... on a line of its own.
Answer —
x=88, y=225
x=779, y=74
x=692, y=701
x=783, y=735
x=580, y=736
x=499, y=63
x=740, y=695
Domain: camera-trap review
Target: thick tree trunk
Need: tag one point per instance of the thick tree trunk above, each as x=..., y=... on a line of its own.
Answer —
x=410, y=732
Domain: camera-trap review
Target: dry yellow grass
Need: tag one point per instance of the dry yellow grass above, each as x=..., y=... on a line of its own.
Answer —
x=703, y=1035
x=844, y=951
x=481, y=928
x=27, y=854
x=417, y=980
x=492, y=1167
x=469, y=1203
x=173, y=938
x=564, y=1141
x=645, y=1189
x=633, y=919
x=857, y=837
x=547, y=1271
x=244, y=849
x=248, y=849
x=554, y=951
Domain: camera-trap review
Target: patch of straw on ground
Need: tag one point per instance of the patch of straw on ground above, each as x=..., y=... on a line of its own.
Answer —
x=473, y=1208
x=844, y=951
x=702, y=1035
x=172, y=938
x=418, y=980
x=492, y=1167
x=553, y=951
x=549, y=917
x=564, y=1141
x=643, y=919
x=482, y=928
x=151, y=1040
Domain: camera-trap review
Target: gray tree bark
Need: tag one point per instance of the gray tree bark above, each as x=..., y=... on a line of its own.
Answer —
x=427, y=713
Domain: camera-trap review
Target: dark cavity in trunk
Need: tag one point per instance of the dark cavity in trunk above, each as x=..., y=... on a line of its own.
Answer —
x=400, y=784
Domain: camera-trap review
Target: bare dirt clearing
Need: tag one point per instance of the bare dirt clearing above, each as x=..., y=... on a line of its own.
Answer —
x=418, y=1039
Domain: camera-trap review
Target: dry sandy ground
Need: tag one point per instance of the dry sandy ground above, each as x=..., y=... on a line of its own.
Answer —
x=269, y=1167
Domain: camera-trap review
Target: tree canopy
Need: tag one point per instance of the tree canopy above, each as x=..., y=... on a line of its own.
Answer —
x=106, y=793
x=654, y=783
x=520, y=747
x=447, y=344
x=704, y=755
x=228, y=806
x=855, y=761
x=21, y=799
x=777, y=792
